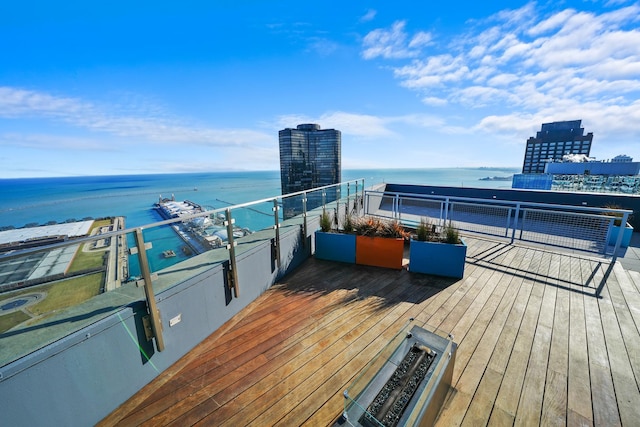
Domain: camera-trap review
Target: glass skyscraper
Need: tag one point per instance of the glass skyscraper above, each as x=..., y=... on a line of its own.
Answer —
x=553, y=141
x=310, y=157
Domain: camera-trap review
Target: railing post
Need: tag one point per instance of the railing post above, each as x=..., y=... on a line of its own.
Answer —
x=446, y=212
x=154, y=313
x=366, y=203
x=305, y=226
x=508, y=224
x=231, y=247
x=361, y=207
x=276, y=227
x=623, y=224
x=515, y=223
x=396, y=206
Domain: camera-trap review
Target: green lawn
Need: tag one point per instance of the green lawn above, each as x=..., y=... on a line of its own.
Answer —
x=91, y=258
x=10, y=320
x=59, y=295
x=68, y=293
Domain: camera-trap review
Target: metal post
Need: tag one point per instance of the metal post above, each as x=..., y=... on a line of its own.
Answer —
x=365, y=203
x=515, y=223
x=276, y=227
x=305, y=229
x=623, y=224
x=445, y=214
x=154, y=313
x=231, y=247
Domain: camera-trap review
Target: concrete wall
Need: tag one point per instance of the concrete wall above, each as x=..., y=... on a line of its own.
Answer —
x=80, y=379
x=517, y=195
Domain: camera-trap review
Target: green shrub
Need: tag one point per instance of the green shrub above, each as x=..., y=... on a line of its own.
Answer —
x=325, y=222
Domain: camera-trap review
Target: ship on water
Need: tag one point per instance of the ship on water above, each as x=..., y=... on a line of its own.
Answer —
x=199, y=234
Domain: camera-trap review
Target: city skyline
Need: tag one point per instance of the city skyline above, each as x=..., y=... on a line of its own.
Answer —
x=119, y=88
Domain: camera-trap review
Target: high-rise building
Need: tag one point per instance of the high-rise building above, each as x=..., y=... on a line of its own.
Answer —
x=553, y=141
x=310, y=157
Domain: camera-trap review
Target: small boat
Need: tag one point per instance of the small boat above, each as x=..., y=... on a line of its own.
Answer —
x=168, y=253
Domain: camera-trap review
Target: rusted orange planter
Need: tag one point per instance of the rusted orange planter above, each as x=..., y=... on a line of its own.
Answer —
x=379, y=251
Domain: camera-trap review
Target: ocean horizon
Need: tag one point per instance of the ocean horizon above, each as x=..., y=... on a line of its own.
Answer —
x=31, y=201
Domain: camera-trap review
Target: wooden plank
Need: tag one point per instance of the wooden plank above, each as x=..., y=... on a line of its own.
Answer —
x=481, y=383
x=629, y=281
x=622, y=293
x=635, y=278
x=335, y=376
x=270, y=408
x=514, y=374
x=554, y=405
x=530, y=403
x=333, y=349
x=293, y=365
x=603, y=396
x=579, y=407
x=627, y=394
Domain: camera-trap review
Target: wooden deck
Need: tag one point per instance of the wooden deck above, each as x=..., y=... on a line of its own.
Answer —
x=544, y=338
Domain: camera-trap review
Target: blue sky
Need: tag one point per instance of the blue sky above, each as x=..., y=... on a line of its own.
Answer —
x=102, y=88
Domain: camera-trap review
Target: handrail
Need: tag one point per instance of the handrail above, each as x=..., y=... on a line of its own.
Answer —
x=116, y=233
x=499, y=201
x=118, y=246
x=448, y=204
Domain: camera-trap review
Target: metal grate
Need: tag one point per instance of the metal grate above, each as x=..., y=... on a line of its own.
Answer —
x=565, y=229
x=480, y=218
x=570, y=227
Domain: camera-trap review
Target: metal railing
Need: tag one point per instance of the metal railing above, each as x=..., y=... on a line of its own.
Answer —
x=582, y=228
x=40, y=284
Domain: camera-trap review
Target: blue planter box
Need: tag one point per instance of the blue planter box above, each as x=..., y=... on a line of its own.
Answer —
x=336, y=247
x=439, y=259
x=626, y=235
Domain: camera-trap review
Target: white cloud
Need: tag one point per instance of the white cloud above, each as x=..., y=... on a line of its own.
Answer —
x=552, y=22
x=392, y=43
x=369, y=16
x=348, y=123
x=20, y=103
x=539, y=65
x=54, y=142
x=420, y=39
x=434, y=101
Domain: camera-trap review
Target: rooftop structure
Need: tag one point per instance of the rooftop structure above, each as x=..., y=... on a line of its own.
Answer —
x=553, y=141
x=577, y=172
x=261, y=333
x=544, y=339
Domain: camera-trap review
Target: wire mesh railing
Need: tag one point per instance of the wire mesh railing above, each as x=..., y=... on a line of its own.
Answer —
x=592, y=230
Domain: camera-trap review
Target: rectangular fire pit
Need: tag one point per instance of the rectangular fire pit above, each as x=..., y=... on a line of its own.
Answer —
x=405, y=384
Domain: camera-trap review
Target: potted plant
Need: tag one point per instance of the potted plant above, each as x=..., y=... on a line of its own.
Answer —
x=379, y=242
x=616, y=228
x=438, y=252
x=335, y=245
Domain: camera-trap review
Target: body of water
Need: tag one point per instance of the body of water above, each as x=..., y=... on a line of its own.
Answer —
x=38, y=201
x=42, y=200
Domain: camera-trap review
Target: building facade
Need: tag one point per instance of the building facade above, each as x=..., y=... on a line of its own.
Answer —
x=310, y=157
x=553, y=141
x=614, y=176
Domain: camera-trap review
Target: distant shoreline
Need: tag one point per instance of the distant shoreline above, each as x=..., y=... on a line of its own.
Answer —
x=496, y=178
